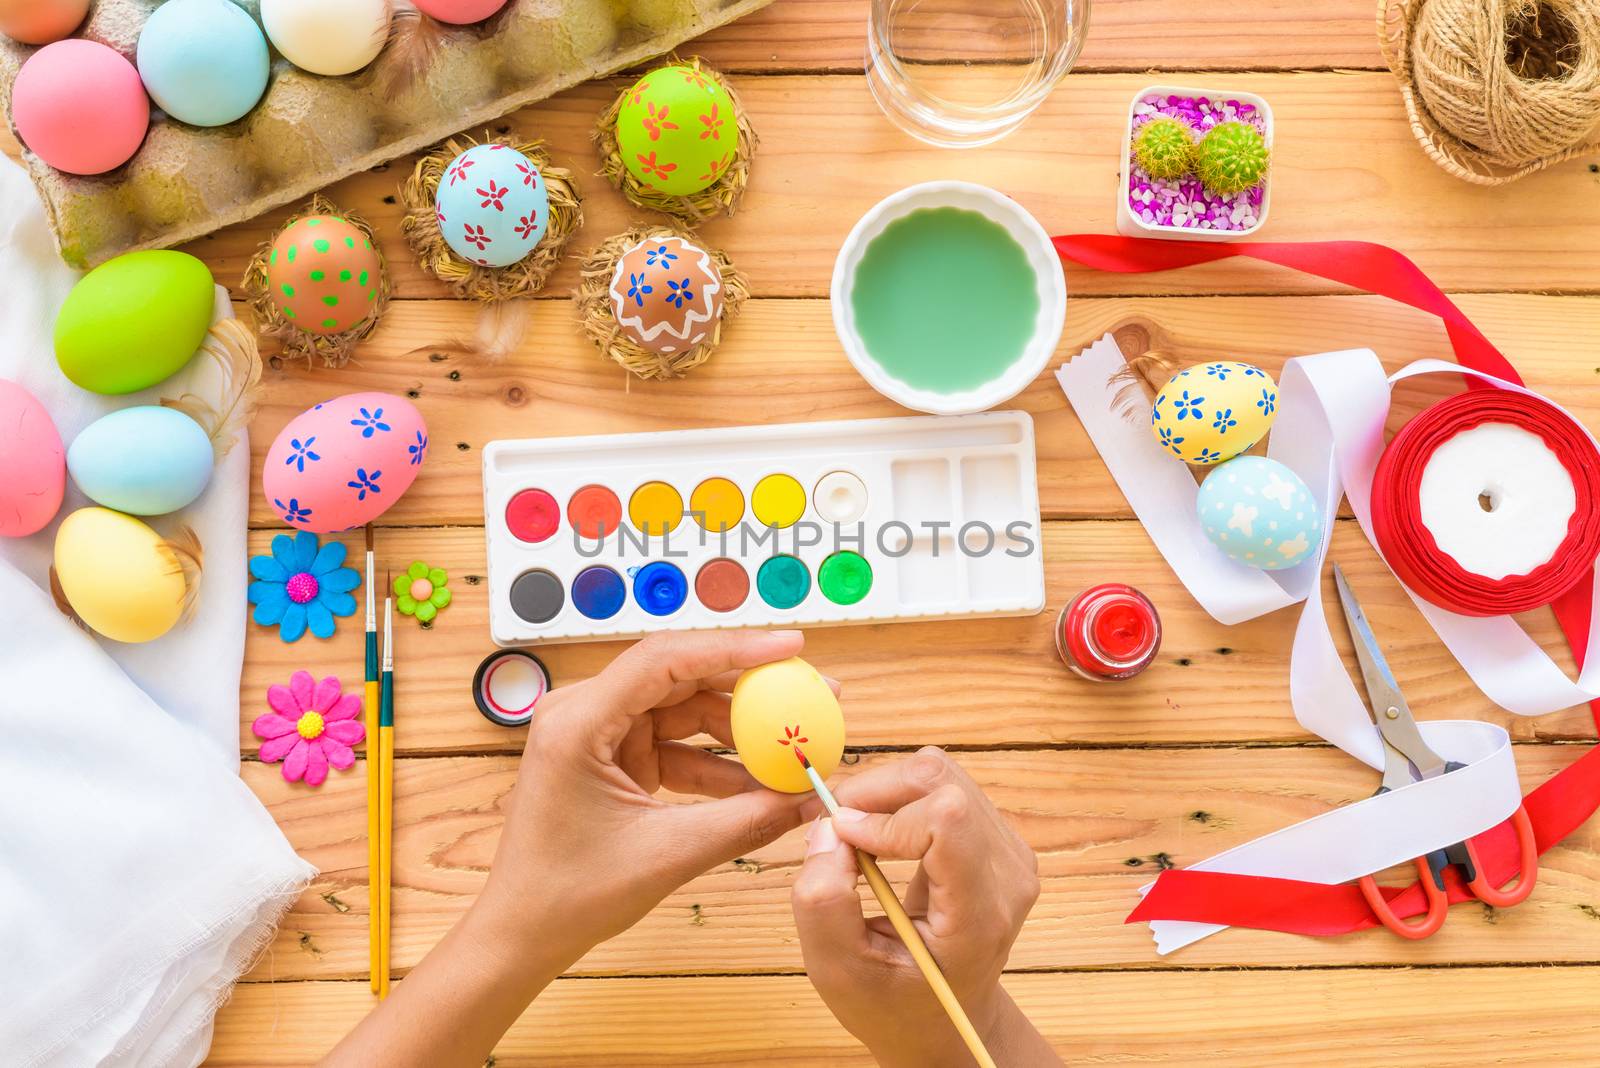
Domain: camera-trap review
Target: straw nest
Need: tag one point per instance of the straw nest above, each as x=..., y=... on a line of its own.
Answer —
x=1496, y=89
x=470, y=280
x=332, y=349
x=719, y=198
x=597, y=319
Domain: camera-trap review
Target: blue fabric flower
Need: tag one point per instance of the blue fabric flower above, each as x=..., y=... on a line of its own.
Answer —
x=302, y=586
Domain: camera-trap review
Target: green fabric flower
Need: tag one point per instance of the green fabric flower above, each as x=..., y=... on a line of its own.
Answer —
x=422, y=591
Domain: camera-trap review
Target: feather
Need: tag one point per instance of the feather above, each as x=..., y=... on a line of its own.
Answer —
x=190, y=559
x=238, y=360
x=414, y=39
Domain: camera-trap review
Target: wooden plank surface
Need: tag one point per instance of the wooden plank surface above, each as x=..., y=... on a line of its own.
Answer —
x=1500, y=1016
x=1108, y=783
x=1345, y=165
x=555, y=384
x=829, y=35
x=1103, y=823
x=995, y=684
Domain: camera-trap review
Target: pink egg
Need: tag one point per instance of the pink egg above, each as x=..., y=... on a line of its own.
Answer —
x=459, y=12
x=33, y=466
x=80, y=107
x=343, y=463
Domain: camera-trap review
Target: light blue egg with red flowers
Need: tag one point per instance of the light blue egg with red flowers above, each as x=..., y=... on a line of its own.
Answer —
x=493, y=206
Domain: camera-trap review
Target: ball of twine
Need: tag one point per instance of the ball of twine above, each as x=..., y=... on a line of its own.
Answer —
x=1497, y=89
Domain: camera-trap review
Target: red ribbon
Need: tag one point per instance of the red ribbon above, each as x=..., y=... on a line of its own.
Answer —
x=1409, y=547
x=1556, y=809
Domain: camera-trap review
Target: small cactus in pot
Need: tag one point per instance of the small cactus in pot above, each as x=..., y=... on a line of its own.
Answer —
x=1231, y=158
x=1165, y=148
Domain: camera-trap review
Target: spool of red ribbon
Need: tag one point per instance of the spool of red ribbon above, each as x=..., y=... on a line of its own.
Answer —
x=1400, y=514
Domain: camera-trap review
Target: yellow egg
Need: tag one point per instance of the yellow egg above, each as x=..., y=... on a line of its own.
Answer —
x=776, y=706
x=119, y=575
x=1212, y=412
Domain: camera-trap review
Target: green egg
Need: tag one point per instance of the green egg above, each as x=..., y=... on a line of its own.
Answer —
x=134, y=321
x=677, y=131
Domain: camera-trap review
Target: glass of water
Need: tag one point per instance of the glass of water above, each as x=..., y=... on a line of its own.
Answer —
x=963, y=73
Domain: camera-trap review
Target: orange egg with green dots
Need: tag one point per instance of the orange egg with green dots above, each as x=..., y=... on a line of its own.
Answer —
x=323, y=274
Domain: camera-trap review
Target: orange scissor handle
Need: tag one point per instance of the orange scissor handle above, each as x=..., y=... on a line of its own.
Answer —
x=1501, y=898
x=1438, y=905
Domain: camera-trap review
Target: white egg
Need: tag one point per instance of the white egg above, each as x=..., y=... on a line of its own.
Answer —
x=327, y=36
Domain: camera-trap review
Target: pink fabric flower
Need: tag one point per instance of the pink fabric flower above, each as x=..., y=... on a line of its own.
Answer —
x=311, y=725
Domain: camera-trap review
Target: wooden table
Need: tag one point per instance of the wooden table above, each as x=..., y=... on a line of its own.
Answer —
x=1109, y=784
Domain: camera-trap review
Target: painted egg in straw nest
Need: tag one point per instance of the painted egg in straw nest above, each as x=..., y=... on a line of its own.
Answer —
x=678, y=141
x=654, y=299
x=320, y=285
x=490, y=219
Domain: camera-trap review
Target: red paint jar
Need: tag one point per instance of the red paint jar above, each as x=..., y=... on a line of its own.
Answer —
x=1109, y=631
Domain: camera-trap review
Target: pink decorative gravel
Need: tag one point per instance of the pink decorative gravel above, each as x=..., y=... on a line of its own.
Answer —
x=1185, y=203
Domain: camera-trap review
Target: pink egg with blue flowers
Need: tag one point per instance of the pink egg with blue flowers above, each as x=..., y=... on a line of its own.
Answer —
x=342, y=463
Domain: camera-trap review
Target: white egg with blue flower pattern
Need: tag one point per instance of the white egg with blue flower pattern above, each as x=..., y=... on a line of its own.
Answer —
x=492, y=205
x=1260, y=513
x=1212, y=412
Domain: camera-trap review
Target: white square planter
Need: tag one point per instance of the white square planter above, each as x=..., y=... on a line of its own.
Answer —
x=1131, y=225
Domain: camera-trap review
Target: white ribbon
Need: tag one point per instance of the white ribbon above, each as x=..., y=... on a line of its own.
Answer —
x=1337, y=404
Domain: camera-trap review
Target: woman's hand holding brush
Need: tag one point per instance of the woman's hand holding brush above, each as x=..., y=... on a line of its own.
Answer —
x=974, y=886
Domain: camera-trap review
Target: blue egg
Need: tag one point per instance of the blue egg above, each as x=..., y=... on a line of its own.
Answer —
x=1260, y=513
x=203, y=62
x=493, y=206
x=147, y=460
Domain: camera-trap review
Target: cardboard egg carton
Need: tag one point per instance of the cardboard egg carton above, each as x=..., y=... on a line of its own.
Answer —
x=309, y=131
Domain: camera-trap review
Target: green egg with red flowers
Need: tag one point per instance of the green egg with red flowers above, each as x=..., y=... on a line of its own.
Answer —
x=677, y=130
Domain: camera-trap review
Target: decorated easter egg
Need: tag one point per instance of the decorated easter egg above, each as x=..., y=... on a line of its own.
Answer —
x=32, y=471
x=777, y=707
x=342, y=463
x=1214, y=411
x=1260, y=513
x=134, y=321
x=80, y=107
x=203, y=62
x=493, y=206
x=666, y=294
x=121, y=577
x=38, y=22
x=146, y=460
x=327, y=36
x=459, y=12
x=677, y=131
x=323, y=274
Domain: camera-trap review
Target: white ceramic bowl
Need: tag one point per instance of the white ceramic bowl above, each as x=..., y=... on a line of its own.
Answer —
x=1131, y=225
x=1023, y=228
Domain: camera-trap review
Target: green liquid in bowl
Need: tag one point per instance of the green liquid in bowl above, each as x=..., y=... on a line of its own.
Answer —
x=944, y=300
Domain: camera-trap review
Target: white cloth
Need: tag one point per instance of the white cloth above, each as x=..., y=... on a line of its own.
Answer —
x=138, y=875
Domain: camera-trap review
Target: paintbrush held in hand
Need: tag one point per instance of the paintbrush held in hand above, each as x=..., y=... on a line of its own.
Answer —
x=903, y=926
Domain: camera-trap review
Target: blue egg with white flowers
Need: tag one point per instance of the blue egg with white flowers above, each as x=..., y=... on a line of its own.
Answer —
x=203, y=62
x=1260, y=513
x=146, y=460
x=493, y=206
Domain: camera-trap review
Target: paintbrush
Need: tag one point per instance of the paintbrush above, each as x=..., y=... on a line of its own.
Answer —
x=374, y=930
x=385, y=794
x=905, y=928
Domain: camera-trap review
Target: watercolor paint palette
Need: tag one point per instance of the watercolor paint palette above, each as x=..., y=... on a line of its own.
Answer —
x=828, y=523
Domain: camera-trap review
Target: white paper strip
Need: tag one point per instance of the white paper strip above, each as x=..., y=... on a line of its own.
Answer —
x=1337, y=404
x=1369, y=835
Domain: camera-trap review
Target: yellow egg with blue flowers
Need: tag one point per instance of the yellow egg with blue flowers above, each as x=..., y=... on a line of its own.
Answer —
x=1212, y=412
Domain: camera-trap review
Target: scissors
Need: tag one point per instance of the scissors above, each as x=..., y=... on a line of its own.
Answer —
x=1407, y=759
